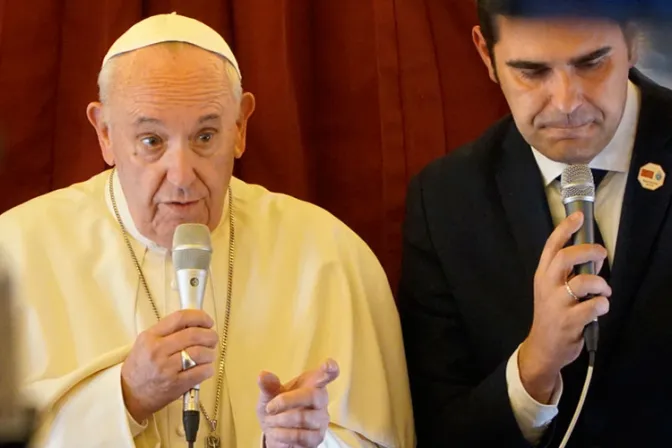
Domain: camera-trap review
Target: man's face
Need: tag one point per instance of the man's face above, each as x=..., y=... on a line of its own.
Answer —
x=172, y=127
x=565, y=82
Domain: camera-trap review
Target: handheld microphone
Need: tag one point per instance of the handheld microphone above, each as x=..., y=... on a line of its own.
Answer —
x=192, y=252
x=578, y=194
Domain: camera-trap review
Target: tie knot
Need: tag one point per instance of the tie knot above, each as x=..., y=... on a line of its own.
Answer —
x=598, y=176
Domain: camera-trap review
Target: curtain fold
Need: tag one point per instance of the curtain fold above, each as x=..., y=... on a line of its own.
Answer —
x=353, y=97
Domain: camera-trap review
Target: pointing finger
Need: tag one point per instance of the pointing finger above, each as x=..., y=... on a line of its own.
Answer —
x=321, y=376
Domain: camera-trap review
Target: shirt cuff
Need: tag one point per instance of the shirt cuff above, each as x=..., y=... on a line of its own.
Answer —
x=533, y=417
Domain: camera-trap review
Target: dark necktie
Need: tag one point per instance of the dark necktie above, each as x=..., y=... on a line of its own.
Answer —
x=598, y=177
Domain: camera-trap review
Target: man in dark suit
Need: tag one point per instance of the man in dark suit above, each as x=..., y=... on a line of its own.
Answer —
x=492, y=326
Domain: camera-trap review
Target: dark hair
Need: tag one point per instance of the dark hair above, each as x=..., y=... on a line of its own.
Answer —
x=488, y=10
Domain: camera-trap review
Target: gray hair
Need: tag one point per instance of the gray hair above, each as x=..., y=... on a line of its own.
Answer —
x=106, y=74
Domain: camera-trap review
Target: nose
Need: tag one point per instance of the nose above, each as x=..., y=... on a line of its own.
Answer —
x=180, y=169
x=566, y=92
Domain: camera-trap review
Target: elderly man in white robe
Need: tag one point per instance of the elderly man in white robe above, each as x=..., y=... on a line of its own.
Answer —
x=292, y=292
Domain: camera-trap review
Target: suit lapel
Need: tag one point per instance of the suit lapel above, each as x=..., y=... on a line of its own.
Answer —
x=644, y=210
x=525, y=204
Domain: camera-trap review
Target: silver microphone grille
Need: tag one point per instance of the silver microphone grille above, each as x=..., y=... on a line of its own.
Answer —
x=577, y=184
x=192, y=248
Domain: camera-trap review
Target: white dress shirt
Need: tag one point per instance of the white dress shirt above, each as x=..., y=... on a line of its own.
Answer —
x=533, y=417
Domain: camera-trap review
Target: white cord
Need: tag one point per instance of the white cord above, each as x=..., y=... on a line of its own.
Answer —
x=586, y=386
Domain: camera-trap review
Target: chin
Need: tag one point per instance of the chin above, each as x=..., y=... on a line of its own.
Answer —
x=570, y=151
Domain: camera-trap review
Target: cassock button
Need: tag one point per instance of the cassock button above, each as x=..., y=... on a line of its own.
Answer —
x=180, y=431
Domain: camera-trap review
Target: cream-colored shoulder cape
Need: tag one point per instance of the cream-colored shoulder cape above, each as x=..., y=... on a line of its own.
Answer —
x=306, y=288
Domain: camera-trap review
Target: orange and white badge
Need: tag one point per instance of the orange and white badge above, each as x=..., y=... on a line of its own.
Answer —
x=651, y=176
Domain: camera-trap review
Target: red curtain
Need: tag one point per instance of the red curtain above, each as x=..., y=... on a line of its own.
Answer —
x=353, y=96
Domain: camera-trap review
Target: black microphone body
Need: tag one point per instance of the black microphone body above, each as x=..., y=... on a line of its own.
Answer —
x=578, y=195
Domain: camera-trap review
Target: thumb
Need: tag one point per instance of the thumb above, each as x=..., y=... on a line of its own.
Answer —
x=321, y=376
x=269, y=385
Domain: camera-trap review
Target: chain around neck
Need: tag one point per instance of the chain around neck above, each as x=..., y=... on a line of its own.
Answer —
x=212, y=420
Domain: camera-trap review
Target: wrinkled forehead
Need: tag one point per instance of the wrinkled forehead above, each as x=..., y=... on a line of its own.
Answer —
x=555, y=39
x=176, y=76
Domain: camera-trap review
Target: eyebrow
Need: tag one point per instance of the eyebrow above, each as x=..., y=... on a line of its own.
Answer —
x=209, y=117
x=146, y=120
x=522, y=64
x=149, y=120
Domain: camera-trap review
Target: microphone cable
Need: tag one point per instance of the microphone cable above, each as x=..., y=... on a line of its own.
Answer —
x=582, y=399
x=190, y=420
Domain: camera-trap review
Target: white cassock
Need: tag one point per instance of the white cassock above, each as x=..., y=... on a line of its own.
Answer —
x=305, y=288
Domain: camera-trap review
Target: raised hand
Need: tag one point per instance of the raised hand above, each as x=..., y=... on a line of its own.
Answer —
x=295, y=414
x=556, y=337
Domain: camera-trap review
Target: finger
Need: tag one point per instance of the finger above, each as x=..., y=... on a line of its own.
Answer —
x=298, y=419
x=321, y=376
x=567, y=258
x=187, y=379
x=589, y=310
x=270, y=387
x=294, y=437
x=200, y=355
x=584, y=285
x=559, y=238
x=180, y=320
x=599, y=264
x=298, y=398
x=189, y=337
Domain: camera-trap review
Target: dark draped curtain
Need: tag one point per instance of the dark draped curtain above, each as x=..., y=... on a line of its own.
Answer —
x=353, y=96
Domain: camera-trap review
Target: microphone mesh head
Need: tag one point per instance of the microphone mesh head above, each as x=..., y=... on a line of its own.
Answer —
x=192, y=248
x=577, y=184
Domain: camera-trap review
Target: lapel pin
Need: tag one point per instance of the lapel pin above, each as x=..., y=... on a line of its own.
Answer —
x=651, y=176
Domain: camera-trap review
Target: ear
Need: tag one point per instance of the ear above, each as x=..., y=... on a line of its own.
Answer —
x=96, y=116
x=482, y=48
x=247, y=105
x=633, y=42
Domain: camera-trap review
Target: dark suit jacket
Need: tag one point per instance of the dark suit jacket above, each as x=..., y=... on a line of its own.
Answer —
x=477, y=220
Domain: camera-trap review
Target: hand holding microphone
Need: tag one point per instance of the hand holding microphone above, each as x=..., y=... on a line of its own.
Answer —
x=154, y=373
x=560, y=311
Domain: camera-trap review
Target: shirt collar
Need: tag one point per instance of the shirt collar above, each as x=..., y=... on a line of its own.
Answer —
x=616, y=155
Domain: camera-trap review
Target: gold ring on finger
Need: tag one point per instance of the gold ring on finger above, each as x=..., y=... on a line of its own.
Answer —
x=570, y=292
